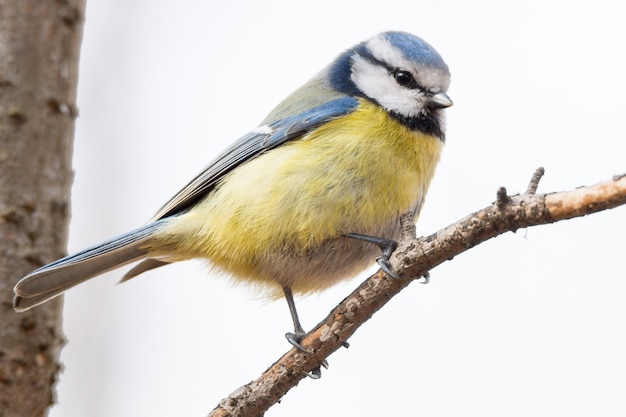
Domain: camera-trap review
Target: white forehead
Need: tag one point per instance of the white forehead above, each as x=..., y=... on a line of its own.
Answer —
x=384, y=51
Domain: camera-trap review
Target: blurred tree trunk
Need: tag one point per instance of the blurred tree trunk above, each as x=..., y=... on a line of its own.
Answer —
x=39, y=48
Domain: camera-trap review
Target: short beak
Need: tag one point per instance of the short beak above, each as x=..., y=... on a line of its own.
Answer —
x=439, y=101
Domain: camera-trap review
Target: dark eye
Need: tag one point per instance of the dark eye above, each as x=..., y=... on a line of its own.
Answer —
x=405, y=79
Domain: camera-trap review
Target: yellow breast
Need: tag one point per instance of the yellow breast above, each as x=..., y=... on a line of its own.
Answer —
x=283, y=212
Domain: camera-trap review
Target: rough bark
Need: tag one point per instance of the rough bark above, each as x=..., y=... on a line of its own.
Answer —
x=39, y=47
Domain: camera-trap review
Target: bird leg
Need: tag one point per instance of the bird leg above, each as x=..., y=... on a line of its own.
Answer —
x=298, y=332
x=387, y=246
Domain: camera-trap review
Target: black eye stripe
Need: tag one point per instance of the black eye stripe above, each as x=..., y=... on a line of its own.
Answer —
x=404, y=78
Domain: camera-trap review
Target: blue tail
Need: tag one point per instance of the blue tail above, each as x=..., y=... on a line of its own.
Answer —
x=53, y=279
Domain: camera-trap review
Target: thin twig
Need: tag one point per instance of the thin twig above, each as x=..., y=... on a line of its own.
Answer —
x=502, y=197
x=534, y=181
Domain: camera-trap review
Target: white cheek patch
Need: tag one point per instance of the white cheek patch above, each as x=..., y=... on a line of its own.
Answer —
x=376, y=82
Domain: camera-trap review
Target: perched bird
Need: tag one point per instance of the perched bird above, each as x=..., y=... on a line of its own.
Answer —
x=308, y=198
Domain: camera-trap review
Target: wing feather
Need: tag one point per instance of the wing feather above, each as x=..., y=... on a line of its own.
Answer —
x=251, y=145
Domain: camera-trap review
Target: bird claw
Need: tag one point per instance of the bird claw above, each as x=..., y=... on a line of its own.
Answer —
x=295, y=339
x=315, y=373
x=426, y=277
x=387, y=246
x=385, y=265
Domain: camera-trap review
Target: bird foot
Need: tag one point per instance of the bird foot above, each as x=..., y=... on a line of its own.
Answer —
x=294, y=339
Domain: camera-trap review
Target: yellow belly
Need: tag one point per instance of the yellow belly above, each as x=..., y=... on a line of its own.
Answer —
x=278, y=218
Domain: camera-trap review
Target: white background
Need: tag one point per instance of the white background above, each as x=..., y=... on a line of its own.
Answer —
x=531, y=323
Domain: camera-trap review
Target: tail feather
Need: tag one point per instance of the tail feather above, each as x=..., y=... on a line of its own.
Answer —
x=53, y=279
x=142, y=267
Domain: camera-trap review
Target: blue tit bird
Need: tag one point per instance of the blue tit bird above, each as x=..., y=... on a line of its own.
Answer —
x=308, y=198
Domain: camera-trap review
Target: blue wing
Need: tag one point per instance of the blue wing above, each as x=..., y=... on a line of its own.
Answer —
x=253, y=144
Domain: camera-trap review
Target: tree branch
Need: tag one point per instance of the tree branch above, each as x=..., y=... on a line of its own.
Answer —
x=413, y=259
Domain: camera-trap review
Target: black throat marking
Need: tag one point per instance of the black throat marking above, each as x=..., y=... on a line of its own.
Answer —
x=427, y=122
